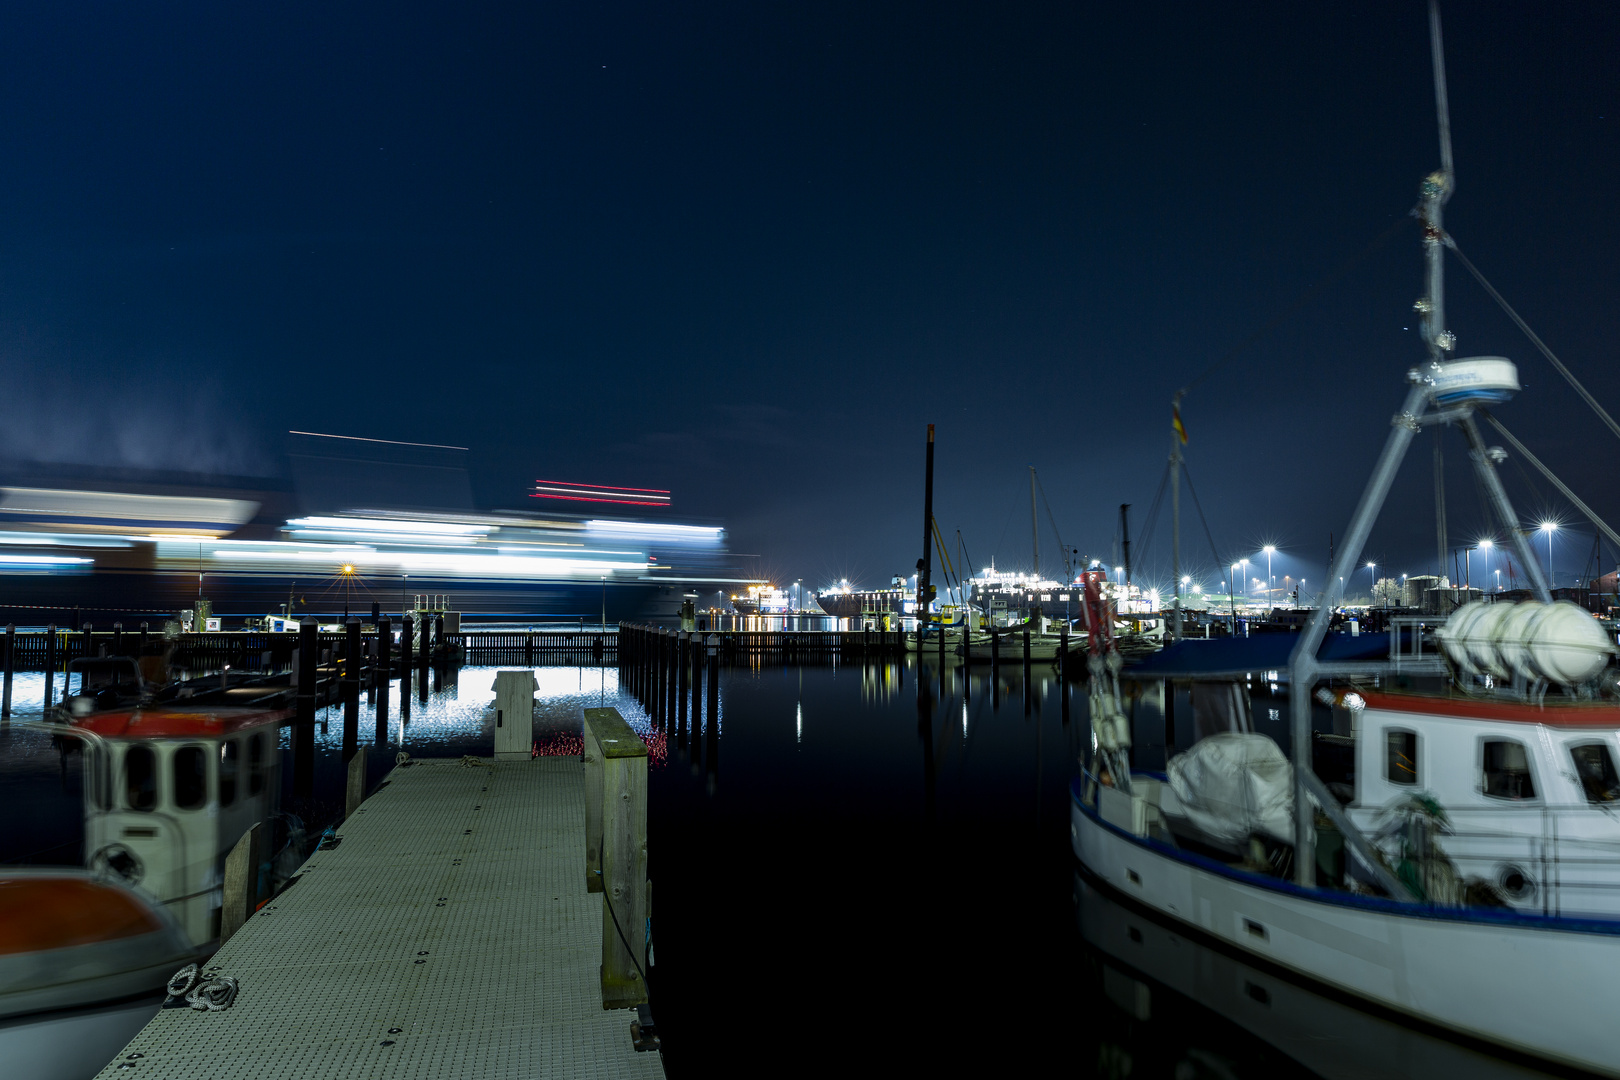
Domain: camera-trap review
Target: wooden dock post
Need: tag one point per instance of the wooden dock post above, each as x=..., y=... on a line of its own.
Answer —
x=11, y=663
x=383, y=673
x=672, y=656
x=354, y=789
x=683, y=661
x=623, y=757
x=407, y=627
x=593, y=805
x=714, y=688
x=140, y=647
x=307, y=673
x=50, y=664
x=1026, y=651
x=240, y=892
x=698, y=650
x=426, y=643
x=350, y=686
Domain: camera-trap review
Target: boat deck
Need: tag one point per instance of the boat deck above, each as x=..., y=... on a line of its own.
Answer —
x=449, y=934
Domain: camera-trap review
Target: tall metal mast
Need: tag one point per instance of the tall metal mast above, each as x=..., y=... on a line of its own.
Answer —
x=925, y=564
x=1177, y=436
x=1034, y=529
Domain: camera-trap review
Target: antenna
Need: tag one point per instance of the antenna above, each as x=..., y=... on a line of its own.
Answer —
x=1436, y=189
x=1442, y=107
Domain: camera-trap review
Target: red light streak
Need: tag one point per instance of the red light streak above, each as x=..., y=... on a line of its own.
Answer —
x=603, y=487
x=586, y=498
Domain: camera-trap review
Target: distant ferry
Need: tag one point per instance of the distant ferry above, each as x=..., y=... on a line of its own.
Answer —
x=847, y=603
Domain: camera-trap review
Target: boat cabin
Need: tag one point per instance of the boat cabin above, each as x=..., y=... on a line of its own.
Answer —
x=171, y=790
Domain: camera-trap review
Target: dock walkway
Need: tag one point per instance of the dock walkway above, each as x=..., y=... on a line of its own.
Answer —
x=449, y=934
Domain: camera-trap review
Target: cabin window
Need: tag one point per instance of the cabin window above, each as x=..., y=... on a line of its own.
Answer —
x=230, y=763
x=140, y=778
x=1506, y=768
x=1594, y=767
x=190, y=777
x=1400, y=756
x=255, y=763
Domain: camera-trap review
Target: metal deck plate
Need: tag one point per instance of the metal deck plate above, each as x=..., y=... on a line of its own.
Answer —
x=454, y=911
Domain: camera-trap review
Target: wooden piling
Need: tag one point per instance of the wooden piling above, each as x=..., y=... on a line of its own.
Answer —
x=350, y=685
x=240, y=892
x=50, y=665
x=698, y=651
x=383, y=671
x=308, y=674
x=682, y=675
x=624, y=859
x=354, y=789
x=407, y=628
x=10, y=661
x=714, y=688
x=593, y=804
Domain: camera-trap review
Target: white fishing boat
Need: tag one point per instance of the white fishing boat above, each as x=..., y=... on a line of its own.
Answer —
x=1464, y=877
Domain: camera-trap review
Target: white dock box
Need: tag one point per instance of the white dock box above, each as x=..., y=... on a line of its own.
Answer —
x=514, y=713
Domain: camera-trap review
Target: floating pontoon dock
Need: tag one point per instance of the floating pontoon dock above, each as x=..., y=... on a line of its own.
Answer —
x=449, y=934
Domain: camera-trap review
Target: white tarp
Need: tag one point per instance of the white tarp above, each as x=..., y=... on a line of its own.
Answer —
x=1235, y=784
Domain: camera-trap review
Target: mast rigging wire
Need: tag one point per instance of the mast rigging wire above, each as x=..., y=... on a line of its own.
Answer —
x=1067, y=569
x=1591, y=515
x=1531, y=334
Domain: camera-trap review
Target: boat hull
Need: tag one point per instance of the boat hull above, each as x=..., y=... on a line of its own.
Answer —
x=1533, y=985
x=70, y=1044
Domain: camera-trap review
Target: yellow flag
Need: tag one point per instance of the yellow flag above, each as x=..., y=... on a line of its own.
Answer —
x=1175, y=423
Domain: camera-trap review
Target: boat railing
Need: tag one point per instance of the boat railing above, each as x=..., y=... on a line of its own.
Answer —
x=1406, y=640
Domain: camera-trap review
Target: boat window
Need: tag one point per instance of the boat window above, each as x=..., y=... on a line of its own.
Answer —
x=230, y=762
x=1507, y=770
x=1400, y=756
x=190, y=777
x=255, y=764
x=1595, y=769
x=140, y=778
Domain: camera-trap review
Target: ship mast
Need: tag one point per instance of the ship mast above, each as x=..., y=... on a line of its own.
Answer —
x=1034, y=529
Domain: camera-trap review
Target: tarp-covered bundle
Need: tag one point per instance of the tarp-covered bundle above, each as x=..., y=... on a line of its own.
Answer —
x=1234, y=785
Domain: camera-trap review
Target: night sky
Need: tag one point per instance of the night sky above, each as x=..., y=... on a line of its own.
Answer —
x=747, y=252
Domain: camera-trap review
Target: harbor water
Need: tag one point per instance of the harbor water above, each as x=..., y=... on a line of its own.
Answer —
x=864, y=866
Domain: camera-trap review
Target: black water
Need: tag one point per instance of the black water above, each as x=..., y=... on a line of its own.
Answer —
x=867, y=868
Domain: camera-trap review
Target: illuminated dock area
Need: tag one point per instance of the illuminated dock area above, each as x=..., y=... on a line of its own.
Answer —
x=449, y=933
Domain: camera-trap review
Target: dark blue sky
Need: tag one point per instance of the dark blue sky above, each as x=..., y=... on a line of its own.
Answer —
x=748, y=251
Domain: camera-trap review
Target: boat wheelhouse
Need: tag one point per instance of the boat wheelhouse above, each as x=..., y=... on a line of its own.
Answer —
x=172, y=785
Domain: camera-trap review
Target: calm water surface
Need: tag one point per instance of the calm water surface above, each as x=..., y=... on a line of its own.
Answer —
x=865, y=868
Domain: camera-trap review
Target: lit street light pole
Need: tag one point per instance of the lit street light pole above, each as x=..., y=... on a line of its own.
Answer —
x=1549, y=527
x=1374, y=588
x=1231, y=595
x=1271, y=582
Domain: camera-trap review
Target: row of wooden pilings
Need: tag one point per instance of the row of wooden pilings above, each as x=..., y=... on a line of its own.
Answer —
x=666, y=670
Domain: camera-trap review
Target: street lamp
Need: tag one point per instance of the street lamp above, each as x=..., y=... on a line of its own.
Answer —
x=1231, y=595
x=1549, y=527
x=1245, y=563
x=1374, y=588
x=1485, y=547
x=1270, y=550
